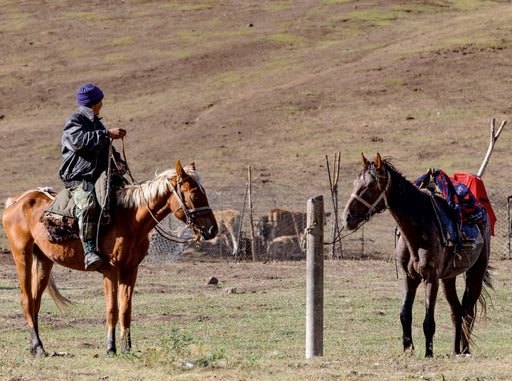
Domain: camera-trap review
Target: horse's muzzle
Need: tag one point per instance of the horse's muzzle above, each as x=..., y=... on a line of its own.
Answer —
x=349, y=221
x=209, y=232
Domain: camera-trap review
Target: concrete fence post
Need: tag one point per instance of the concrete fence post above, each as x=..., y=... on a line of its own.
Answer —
x=315, y=277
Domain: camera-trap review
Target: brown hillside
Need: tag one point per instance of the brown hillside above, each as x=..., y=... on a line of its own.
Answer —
x=272, y=84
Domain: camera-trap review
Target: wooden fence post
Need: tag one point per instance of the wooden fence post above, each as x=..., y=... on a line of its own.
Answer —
x=315, y=277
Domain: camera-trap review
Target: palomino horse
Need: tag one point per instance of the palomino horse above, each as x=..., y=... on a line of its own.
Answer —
x=123, y=246
x=420, y=251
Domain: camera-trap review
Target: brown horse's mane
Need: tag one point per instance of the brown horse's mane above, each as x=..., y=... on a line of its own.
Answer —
x=398, y=176
x=137, y=195
x=406, y=194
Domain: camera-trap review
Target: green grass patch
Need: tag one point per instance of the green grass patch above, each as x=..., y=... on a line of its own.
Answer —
x=15, y=14
x=90, y=16
x=277, y=6
x=115, y=57
x=470, y=5
x=187, y=7
x=337, y=1
x=396, y=82
x=14, y=27
x=123, y=41
x=375, y=17
x=74, y=51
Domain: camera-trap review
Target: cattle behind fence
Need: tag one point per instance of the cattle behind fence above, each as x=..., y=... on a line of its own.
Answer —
x=376, y=240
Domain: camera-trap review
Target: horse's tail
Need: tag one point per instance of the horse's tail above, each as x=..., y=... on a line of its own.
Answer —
x=485, y=296
x=60, y=300
x=484, y=299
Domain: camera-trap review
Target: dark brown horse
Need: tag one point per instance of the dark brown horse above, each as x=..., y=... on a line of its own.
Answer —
x=420, y=252
x=123, y=246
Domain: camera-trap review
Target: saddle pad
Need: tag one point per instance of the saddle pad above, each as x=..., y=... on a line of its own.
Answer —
x=63, y=204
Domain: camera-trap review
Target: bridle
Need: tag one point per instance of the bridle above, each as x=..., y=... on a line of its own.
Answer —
x=382, y=196
x=190, y=214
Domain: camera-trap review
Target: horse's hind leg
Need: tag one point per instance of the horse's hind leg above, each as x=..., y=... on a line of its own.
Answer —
x=126, y=285
x=410, y=286
x=41, y=268
x=450, y=292
x=23, y=256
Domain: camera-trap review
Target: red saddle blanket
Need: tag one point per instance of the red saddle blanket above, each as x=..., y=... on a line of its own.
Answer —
x=477, y=188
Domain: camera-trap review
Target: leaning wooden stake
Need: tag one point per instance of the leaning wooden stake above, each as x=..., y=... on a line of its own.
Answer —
x=251, y=220
x=494, y=137
x=315, y=278
x=333, y=182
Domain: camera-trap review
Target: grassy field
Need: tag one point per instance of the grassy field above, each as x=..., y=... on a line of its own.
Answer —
x=249, y=327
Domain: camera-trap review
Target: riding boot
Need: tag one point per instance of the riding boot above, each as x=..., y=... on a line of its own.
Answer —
x=86, y=212
x=93, y=261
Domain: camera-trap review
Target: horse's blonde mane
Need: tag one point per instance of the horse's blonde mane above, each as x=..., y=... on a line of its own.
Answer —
x=137, y=195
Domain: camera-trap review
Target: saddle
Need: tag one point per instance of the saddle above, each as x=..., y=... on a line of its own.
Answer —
x=459, y=212
x=59, y=218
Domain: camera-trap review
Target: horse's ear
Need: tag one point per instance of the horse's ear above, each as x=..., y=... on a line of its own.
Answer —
x=179, y=169
x=364, y=161
x=192, y=166
x=378, y=161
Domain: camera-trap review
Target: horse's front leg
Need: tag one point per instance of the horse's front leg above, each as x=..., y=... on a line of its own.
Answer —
x=429, y=324
x=410, y=285
x=450, y=292
x=126, y=285
x=110, y=285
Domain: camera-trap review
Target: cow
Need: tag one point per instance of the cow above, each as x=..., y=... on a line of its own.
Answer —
x=286, y=247
x=280, y=222
x=228, y=222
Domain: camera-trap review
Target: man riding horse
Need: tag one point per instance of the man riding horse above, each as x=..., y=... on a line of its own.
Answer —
x=85, y=156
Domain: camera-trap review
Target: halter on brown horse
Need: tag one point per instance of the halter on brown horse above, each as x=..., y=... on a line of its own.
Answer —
x=420, y=252
x=123, y=245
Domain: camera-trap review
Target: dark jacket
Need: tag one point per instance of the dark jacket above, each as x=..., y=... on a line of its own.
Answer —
x=84, y=149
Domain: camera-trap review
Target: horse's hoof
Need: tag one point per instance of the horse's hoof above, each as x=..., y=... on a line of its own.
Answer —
x=38, y=352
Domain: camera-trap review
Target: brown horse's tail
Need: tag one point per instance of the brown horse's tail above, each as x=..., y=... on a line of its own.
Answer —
x=485, y=296
x=483, y=300
x=60, y=300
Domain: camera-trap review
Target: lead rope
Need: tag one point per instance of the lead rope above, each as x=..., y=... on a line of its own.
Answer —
x=127, y=168
x=107, y=192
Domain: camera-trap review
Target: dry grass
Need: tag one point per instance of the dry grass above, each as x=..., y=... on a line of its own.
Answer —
x=186, y=330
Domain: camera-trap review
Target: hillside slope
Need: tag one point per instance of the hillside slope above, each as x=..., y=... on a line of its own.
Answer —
x=274, y=84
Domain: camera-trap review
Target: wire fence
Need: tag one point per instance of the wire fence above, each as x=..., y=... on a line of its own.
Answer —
x=269, y=239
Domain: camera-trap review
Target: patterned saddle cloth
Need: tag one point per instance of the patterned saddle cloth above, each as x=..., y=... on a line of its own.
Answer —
x=460, y=211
